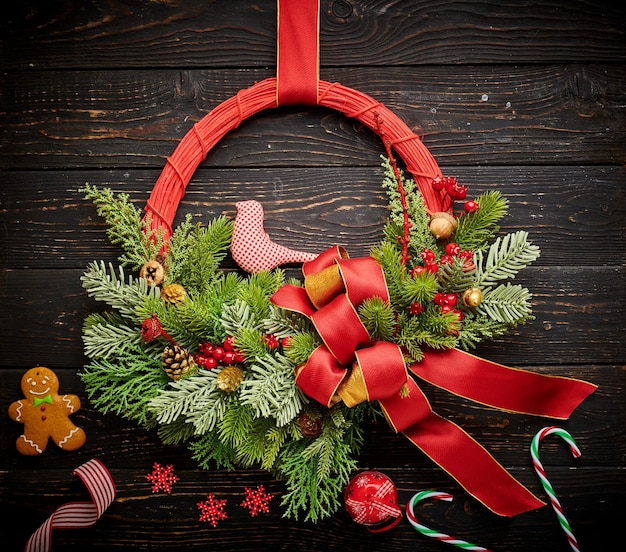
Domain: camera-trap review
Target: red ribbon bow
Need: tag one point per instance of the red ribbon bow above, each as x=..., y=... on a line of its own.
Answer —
x=351, y=367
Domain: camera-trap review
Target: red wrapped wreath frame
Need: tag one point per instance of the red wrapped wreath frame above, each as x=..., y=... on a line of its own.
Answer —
x=384, y=376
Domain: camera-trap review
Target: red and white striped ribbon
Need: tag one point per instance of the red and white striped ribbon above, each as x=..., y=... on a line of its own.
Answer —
x=77, y=515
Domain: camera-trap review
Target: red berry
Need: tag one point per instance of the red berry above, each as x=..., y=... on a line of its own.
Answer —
x=459, y=315
x=471, y=206
x=286, y=341
x=218, y=353
x=415, y=308
x=439, y=298
x=229, y=343
x=445, y=259
x=209, y=363
x=451, y=299
x=454, y=189
x=438, y=183
x=432, y=267
x=453, y=249
x=239, y=357
x=416, y=271
x=229, y=357
x=207, y=349
x=272, y=341
x=446, y=308
x=428, y=255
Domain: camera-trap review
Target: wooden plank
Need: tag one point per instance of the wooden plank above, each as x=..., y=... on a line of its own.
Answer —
x=579, y=316
x=170, y=521
x=47, y=223
x=598, y=425
x=469, y=115
x=374, y=32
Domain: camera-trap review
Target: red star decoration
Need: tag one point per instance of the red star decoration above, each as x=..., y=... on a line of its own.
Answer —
x=257, y=501
x=162, y=478
x=212, y=510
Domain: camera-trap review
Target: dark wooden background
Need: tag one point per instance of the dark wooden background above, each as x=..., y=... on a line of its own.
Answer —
x=524, y=97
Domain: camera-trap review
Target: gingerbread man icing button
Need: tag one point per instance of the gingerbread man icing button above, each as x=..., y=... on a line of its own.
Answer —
x=45, y=414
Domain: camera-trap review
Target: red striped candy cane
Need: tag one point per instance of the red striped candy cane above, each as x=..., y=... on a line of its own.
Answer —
x=77, y=515
x=554, y=501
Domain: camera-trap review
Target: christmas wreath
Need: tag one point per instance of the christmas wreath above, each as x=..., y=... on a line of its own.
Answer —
x=262, y=370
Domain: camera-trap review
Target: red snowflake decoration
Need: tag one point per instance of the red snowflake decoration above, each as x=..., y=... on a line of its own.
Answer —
x=257, y=501
x=162, y=478
x=212, y=510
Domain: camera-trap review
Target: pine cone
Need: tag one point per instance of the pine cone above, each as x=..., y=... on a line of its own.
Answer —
x=229, y=378
x=177, y=362
x=309, y=426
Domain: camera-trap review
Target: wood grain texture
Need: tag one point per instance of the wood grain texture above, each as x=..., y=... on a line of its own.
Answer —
x=525, y=97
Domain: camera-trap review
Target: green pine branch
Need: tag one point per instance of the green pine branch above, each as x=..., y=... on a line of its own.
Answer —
x=125, y=295
x=126, y=226
x=476, y=229
x=270, y=389
x=378, y=318
x=107, y=339
x=508, y=304
x=126, y=385
x=195, y=399
x=506, y=257
x=453, y=278
x=208, y=449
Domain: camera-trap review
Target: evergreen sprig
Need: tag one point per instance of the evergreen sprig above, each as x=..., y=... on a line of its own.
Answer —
x=124, y=293
x=506, y=257
x=476, y=229
x=125, y=226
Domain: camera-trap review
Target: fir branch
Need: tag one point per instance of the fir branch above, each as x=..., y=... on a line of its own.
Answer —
x=507, y=303
x=126, y=226
x=194, y=256
x=506, y=257
x=255, y=447
x=237, y=316
x=124, y=386
x=111, y=288
x=390, y=259
x=176, y=432
x=378, y=318
x=285, y=323
x=302, y=346
x=195, y=399
x=270, y=389
x=419, y=289
x=478, y=328
x=107, y=339
x=476, y=229
x=209, y=448
x=236, y=424
x=306, y=492
x=453, y=278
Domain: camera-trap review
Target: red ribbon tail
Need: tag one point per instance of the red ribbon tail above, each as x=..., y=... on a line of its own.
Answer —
x=471, y=466
x=501, y=387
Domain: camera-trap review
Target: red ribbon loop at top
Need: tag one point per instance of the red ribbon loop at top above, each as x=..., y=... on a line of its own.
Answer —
x=297, y=71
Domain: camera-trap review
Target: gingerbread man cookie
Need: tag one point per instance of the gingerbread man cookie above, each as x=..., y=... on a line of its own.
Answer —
x=45, y=414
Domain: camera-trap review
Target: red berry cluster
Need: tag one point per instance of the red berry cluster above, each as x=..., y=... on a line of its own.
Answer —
x=455, y=191
x=451, y=186
x=447, y=302
x=211, y=355
x=272, y=342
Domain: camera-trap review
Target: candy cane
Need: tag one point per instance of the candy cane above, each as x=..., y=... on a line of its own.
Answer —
x=77, y=515
x=554, y=501
x=410, y=514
